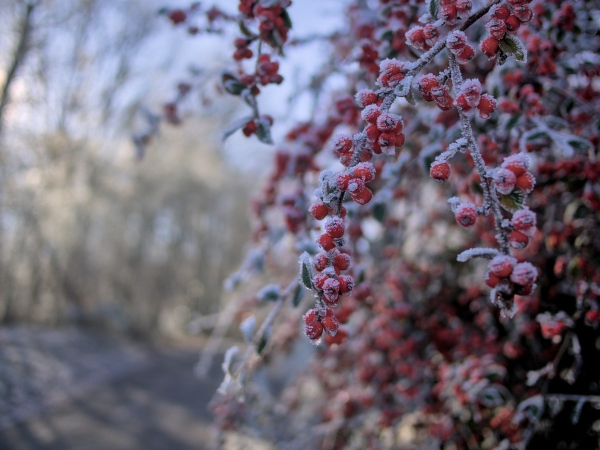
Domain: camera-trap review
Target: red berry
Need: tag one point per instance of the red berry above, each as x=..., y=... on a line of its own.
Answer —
x=372, y=133
x=489, y=46
x=330, y=324
x=320, y=261
x=465, y=55
x=518, y=240
x=387, y=122
x=426, y=84
x=491, y=280
x=365, y=97
x=335, y=227
x=523, y=219
x=512, y=23
x=415, y=37
x=440, y=171
x=326, y=242
x=320, y=279
x=456, y=41
x=524, y=273
x=400, y=140
x=364, y=197
x=346, y=284
x=342, y=143
x=313, y=330
x=341, y=260
x=462, y=103
x=504, y=180
x=311, y=316
x=487, y=105
x=343, y=179
x=449, y=14
x=497, y=28
x=517, y=163
x=466, y=214
x=464, y=6
x=356, y=186
x=502, y=265
x=442, y=98
x=500, y=12
x=177, y=16
x=523, y=12
x=364, y=170
x=318, y=210
x=371, y=113
x=526, y=182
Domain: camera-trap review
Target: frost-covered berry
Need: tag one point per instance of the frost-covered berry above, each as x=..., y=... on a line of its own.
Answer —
x=391, y=73
x=371, y=113
x=465, y=55
x=387, y=122
x=471, y=89
x=487, y=105
x=462, y=103
x=346, y=284
x=518, y=164
x=320, y=261
x=415, y=37
x=364, y=170
x=342, y=143
x=497, y=28
x=499, y=12
x=512, y=23
x=448, y=14
x=426, y=83
x=518, y=240
x=313, y=331
x=330, y=324
x=523, y=12
x=365, y=97
x=524, y=274
x=320, y=279
x=341, y=260
x=466, y=214
x=318, y=210
x=502, y=265
x=489, y=46
x=364, y=197
x=504, y=180
x=430, y=34
x=311, y=316
x=335, y=227
x=326, y=242
x=440, y=171
x=464, y=6
x=491, y=280
x=386, y=140
x=523, y=219
x=456, y=41
x=343, y=179
x=356, y=186
x=441, y=97
x=525, y=182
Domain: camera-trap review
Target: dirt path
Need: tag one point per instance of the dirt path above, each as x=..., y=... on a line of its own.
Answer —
x=161, y=405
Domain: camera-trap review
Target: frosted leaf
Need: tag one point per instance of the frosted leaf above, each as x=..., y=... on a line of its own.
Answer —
x=247, y=328
x=487, y=253
x=226, y=366
x=512, y=46
x=305, y=276
x=269, y=293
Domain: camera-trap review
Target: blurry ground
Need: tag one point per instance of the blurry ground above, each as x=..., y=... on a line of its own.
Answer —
x=70, y=389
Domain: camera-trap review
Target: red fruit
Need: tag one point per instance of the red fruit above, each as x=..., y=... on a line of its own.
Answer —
x=465, y=55
x=523, y=219
x=491, y=280
x=464, y=6
x=365, y=97
x=342, y=143
x=504, y=180
x=371, y=113
x=387, y=140
x=330, y=324
x=311, y=316
x=356, y=186
x=320, y=279
x=318, y=210
x=471, y=89
x=449, y=14
x=346, y=284
x=518, y=164
x=430, y=34
x=487, y=105
x=364, y=170
x=462, y=103
x=512, y=23
x=372, y=133
x=400, y=140
x=326, y=242
x=426, y=84
x=456, y=41
x=364, y=197
x=415, y=37
x=342, y=261
x=518, y=240
x=250, y=128
x=500, y=12
x=335, y=227
x=524, y=273
x=489, y=46
x=523, y=12
x=526, y=182
x=343, y=179
x=466, y=214
x=387, y=122
x=440, y=171
x=177, y=16
x=497, y=28
x=502, y=265
x=343, y=211
x=442, y=98
x=320, y=261
x=313, y=330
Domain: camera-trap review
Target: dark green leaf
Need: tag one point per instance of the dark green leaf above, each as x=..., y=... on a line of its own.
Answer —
x=245, y=30
x=512, y=46
x=298, y=296
x=513, y=202
x=580, y=144
x=262, y=344
x=387, y=35
x=305, y=271
x=433, y=8
x=512, y=121
x=264, y=132
x=286, y=19
x=234, y=87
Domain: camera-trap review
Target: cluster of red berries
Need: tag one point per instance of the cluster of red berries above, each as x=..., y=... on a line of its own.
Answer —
x=517, y=278
x=523, y=223
x=505, y=19
x=423, y=38
x=266, y=70
x=253, y=125
x=270, y=18
x=354, y=182
x=316, y=323
x=451, y=9
x=513, y=175
x=384, y=132
x=241, y=49
x=456, y=42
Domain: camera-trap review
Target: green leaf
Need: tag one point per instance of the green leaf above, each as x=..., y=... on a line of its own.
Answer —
x=379, y=210
x=512, y=46
x=513, y=202
x=234, y=87
x=512, y=121
x=298, y=295
x=580, y=144
x=245, y=30
x=433, y=8
x=306, y=271
x=238, y=124
x=387, y=35
x=286, y=19
x=262, y=344
x=263, y=133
